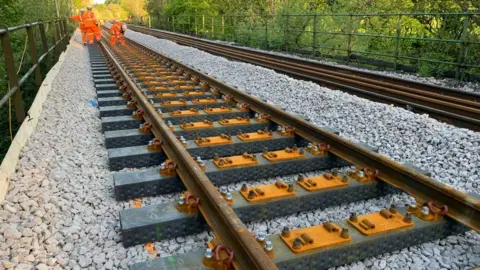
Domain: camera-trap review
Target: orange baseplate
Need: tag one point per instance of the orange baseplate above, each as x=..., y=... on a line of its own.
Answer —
x=222, y=109
x=169, y=94
x=286, y=154
x=185, y=112
x=194, y=93
x=234, y=121
x=316, y=237
x=170, y=103
x=236, y=161
x=255, y=136
x=204, y=101
x=197, y=125
x=326, y=181
x=214, y=140
x=158, y=88
x=376, y=223
x=268, y=192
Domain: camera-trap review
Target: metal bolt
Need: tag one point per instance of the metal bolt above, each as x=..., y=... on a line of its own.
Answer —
x=151, y=101
x=335, y=172
x=310, y=145
x=279, y=128
x=290, y=188
x=257, y=115
x=353, y=216
x=169, y=123
x=286, y=231
x=251, y=194
x=228, y=196
x=344, y=233
x=315, y=148
x=393, y=208
x=425, y=210
x=268, y=245
x=223, y=190
x=181, y=200
x=345, y=179
x=361, y=174
x=150, y=142
x=301, y=177
x=261, y=236
x=407, y=218
x=159, y=111
x=244, y=188
x=162, y=166
x=297, y=243
x=208, y=253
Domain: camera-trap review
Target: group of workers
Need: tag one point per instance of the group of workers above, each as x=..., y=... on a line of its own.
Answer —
x=90, y=28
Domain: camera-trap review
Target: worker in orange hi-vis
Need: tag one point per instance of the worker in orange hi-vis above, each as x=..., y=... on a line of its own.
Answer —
x=81, y=24
x=91, y=25
x=117, y=30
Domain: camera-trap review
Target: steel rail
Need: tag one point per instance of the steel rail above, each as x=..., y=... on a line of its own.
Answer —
x=358, y=74
x=217, y=213
x=462, y=207
x=458, y=107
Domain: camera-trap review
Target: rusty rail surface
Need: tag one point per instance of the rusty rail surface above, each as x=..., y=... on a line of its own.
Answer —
x=218, y=214
x=59, y=37
x=460, y=108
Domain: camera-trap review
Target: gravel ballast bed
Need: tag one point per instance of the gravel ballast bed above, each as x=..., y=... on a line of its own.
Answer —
x=451, y=154
x=60, y=212
x=446, y=82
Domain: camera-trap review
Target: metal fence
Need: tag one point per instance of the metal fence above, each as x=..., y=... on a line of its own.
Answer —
x=429, y=43
x=51, y=45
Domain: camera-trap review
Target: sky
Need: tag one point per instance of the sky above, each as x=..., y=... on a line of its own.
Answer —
x=99, y=1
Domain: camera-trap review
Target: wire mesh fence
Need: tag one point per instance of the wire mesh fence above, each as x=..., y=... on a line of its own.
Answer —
x=431, y=44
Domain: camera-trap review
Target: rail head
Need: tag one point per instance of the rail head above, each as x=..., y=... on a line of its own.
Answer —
x=218, y=214
x=462, y=207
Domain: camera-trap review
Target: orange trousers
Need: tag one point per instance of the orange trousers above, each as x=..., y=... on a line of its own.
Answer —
x=115, y=37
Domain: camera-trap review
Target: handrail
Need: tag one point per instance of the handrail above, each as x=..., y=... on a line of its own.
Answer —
x=59, y=38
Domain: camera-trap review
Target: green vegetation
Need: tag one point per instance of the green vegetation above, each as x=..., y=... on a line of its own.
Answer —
x=430, y=37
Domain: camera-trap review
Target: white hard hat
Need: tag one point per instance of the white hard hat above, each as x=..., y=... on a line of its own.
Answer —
x=124, y=27
x=89, y=7
x=82, y=10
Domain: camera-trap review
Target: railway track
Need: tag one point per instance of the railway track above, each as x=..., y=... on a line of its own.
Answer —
x=448, y=105
x=197, y=135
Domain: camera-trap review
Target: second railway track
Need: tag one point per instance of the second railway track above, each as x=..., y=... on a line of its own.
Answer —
x=196, y=132
x=459, y=108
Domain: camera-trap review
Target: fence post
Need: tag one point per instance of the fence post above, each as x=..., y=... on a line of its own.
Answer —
x=234, y=26
x=53, y=36
x=463, y=46
x=350, y=30
x=195, y=21
x=212, y=36
x=67, y=33
x=12, y=76
x=43, y=37
x=33, y=54
x=397, y=40
x=59, y=38
x=285, y=33
x=203, y=26
x=314, y=36
x=250, y=31
x=62, y=35
x=223, y=27
x=266, y=31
